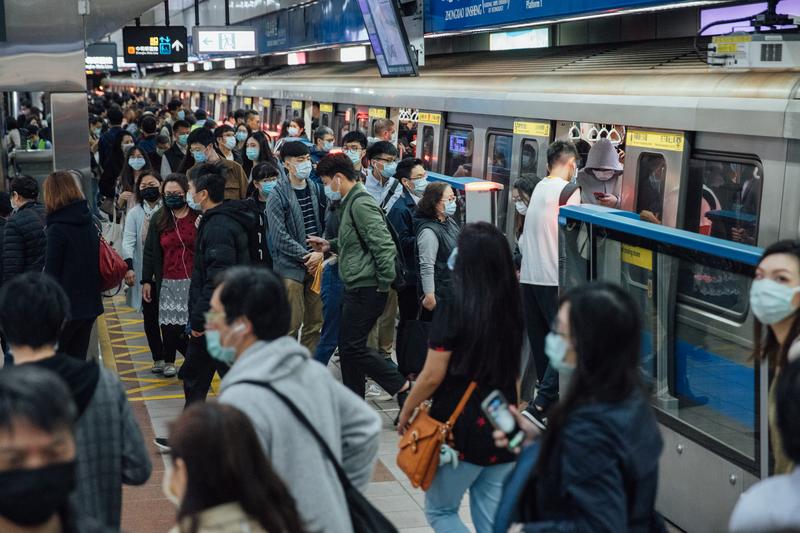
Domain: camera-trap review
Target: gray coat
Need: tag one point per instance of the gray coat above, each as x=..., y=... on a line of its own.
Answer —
x=287, y=233
x=347, y=423
x=133, y=249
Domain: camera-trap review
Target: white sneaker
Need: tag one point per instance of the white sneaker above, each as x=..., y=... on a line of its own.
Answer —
x=373, y=391
x=158, y=367
x=169, y=370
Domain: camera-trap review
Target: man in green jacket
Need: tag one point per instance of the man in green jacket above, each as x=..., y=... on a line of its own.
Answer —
x=367, y=268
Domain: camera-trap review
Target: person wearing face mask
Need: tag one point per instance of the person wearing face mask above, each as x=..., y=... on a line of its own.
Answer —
x=24, y=239
x=176, y=112
x=137, y=163
x=539, y=268
x=380, y=181
x=252, y=120
x=597, y=466
x=775, y=302
x=163, y=144
x=147, y=141
x=257, y=150
x=115, y=164
x=172, y=158
x=33, y=308
x=225, y=138
x=202, y=150
x=437, y=233
x=296, y=211
x=521, y=197
x=599, y=180
x=650, y=201
x=354, y=146
x=201, y=117
x=37, y=466
x=249, y=318
x=323, y=144
x=242, y=133
x=219, y=478
x=265, y=178
x=137, y=225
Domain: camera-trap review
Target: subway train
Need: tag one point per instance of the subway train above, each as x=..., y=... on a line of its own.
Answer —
x=721, y=142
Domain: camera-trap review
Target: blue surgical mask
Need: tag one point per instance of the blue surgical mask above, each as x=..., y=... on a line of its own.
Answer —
x=241, y=136
x=389, y=169
x=521, y=207
x=181, y=114
x=354, y=155
x=327, y=146
x=137, y=163
x=97, y=131
x=294, y=132
x=303, y=170
x=191, y=203
x=199, y=156
x=420, y=185
x=771, y=301
x=555, y=347
x=230, y=142
x=267, y=186
x=451, y=260
x=223, y=354
x=252, y=153
x=450, y=208
x=183, y=139
x=331, y=194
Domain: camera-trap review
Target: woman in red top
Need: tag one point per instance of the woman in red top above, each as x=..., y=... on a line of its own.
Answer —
x=167, y=266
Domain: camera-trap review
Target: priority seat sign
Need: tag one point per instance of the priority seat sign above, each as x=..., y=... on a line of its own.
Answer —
x=154, y=44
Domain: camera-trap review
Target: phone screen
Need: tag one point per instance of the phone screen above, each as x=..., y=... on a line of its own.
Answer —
x=496, y=408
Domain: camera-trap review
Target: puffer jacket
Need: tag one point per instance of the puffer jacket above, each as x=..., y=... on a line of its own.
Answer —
x=24, y=241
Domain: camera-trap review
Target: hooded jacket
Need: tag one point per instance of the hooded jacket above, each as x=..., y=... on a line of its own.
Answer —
x=222, y=242
x=72, y=257
x=601, y=172
x=347, y=423
x=24, y=241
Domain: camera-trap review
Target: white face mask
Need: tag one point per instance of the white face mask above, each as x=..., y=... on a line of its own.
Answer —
x=166, y=487
x=521, y=207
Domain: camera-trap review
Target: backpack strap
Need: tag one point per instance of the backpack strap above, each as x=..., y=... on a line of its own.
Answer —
x=567, y=192
x=390, y=194
x=353, y=221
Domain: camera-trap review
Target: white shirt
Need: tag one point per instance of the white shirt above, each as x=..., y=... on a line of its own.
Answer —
x=770, y=505
x=539, y=241
x=379, y=192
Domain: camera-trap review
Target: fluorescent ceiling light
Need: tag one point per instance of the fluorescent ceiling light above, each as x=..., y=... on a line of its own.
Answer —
x=515, y=40
x=352, y=53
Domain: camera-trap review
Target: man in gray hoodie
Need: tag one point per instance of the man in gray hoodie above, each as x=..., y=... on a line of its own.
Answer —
x=246, y=327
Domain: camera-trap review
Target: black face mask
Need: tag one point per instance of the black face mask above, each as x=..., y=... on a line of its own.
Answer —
x=174, y=201
x=151, y=194
x=29, y=497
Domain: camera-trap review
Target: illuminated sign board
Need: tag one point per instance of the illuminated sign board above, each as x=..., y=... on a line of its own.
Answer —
x=154, y=44
x=387, y=35
x=224, y=40
x=101, y=56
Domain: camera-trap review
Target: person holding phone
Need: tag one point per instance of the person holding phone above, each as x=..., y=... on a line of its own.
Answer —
x=599, y=180
x=475, y=337
x=597, y=468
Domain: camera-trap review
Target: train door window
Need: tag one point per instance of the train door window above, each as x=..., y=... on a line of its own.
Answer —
x=458, y=151
x=651, y=176
x=277, y=117
x=407, y=131
x=530, y=159
x=363, y=123
x=341, y=125
x=498, y=169
x=427, y=147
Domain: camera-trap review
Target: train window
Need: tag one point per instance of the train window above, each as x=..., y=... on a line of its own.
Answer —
x=427, y=146
x=651, y=175
x=406, y=135
x=530, y=159
x=498, y=170
x=458, y=155
x=363, y=123
x=277, y=117
x=341, y=126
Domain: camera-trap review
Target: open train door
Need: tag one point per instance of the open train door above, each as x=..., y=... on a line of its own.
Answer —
x=430, y=137
x=529, y=159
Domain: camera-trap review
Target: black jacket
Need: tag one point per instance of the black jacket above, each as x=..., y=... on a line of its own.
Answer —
x=602, y=474
x=222, y=242
x=174, y=157
x=401, y=216
x=73, y=258
x=24, y=241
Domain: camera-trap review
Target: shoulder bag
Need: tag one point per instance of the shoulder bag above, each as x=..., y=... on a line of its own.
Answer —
x=364, y=516
x=112, y=267
x=422, y=441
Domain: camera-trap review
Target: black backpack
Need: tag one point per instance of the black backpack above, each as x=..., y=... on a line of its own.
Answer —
x=256, y=229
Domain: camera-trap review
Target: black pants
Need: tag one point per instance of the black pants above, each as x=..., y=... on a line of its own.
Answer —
x=151, y=328
x=361, y=309
x=408, y=303
x=174, y=340
x=75, y=337
x=541, y=307
x=198, y=371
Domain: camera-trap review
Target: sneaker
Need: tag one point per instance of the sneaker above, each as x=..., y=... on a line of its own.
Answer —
x=162, y=445
x=158, y=367
x=536, y=416
x=373, y=391
x=169, y=370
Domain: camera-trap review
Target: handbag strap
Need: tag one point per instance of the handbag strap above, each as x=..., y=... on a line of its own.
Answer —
x=461, y=404
x=343, y=479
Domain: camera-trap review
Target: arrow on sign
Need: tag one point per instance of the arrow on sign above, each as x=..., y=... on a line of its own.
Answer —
x=207, y=41
x=177, y=46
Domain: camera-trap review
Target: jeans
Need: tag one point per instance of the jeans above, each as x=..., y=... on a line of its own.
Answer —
x=75, y=338
x=541, y=307
x=94, y=198
x=332, y=289
x=485, y=484
x=361, y=308
x=198, y=370
x=306, y=306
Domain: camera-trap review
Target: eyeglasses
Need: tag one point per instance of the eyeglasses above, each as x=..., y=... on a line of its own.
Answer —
x=382, y=160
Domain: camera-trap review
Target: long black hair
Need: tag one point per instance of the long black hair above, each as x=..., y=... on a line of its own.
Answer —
x=605, y=330
x=225, y=463
x=487, y=308
x=126, y=178
x=765, y=344
x=265, y=154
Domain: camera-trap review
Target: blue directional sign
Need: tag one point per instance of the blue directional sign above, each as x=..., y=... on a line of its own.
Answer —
x=154, y=44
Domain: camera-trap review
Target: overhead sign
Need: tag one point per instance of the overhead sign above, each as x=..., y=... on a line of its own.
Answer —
x=429, y=118
x=224, y=40
x=101, y=56
x=535, y=129
x=377, y=112
x=655, y=140
x=154, y=44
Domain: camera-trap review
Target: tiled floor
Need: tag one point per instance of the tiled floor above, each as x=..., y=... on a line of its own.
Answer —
x=156, y=401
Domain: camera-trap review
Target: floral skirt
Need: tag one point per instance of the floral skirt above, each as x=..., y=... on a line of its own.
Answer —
x=173, y=302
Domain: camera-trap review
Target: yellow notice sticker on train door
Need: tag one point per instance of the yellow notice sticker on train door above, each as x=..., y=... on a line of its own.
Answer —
x=535, y=129
x=326, y=108
x=429, y=118
x=266, y=102
x=248, y=101
x=636, y=256
x=655, y=140
x=297, y=104
x=377, y=112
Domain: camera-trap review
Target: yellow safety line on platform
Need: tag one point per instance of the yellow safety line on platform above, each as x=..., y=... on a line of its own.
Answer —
x=106, y=352
x=164, y=397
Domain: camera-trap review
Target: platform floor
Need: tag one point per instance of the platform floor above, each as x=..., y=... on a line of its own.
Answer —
x=156, y=401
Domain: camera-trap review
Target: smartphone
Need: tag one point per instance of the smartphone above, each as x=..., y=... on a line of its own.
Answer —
x=599, y=195
x=496, y=408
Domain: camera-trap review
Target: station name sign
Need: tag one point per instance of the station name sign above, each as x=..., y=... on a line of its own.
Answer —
x=224, y=40
x=101, y=56
x=154, y=44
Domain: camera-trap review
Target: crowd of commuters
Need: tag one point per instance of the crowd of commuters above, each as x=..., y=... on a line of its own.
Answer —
x=258, y=258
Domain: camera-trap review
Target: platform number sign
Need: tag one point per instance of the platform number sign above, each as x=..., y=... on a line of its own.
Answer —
x=154, y=44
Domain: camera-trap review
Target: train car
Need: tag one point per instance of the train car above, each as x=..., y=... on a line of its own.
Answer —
x=711, y=150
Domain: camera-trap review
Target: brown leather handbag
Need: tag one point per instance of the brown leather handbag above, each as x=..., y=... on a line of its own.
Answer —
x=422, y=441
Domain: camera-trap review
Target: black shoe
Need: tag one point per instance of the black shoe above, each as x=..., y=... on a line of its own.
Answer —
x=162, y=445
x=536, y=416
